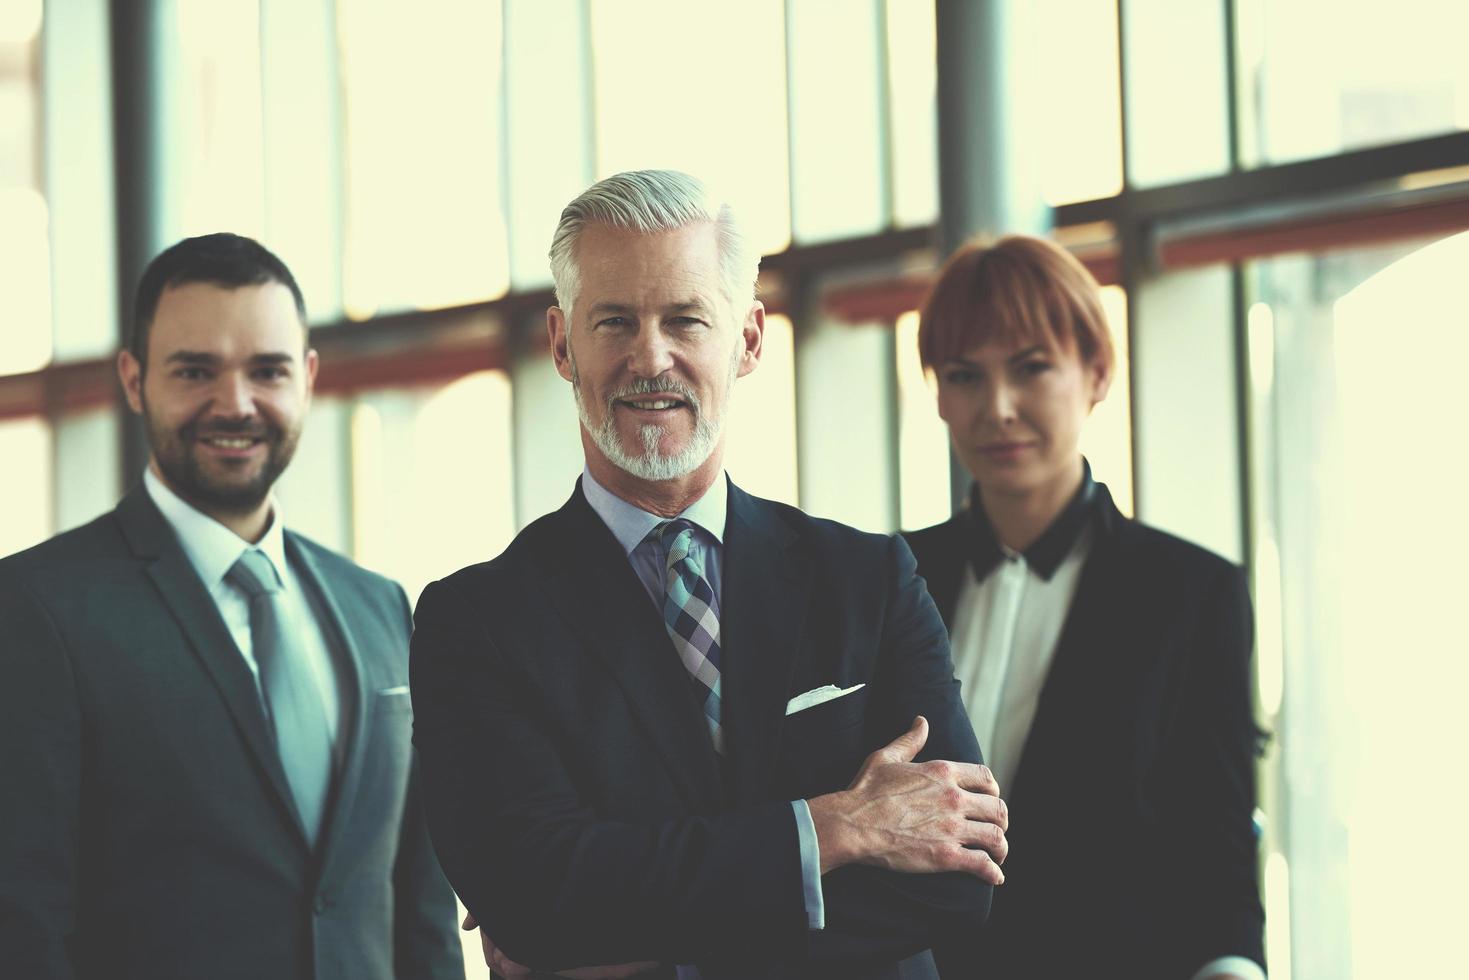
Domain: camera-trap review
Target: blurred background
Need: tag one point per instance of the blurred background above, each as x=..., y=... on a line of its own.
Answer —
x=1274, y=194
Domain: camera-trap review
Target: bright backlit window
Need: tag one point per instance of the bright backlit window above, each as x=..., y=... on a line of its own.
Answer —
x=760, y=451
x=25, y=268
x=425, y=223
x=1072, y=86
x=25, y=520
x=699, y=86
x=214, y=157
x=1357, y=396
x=1321, y=76
x=432, y=478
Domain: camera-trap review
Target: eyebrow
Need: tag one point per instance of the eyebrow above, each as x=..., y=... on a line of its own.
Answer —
x=204, y=358
x=627, y=309
x=1015, y=358
x=1019, y=356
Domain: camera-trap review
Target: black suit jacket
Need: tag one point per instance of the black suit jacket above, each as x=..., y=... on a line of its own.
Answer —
x=573, y=792
x=146, y=828
x=1132, y=846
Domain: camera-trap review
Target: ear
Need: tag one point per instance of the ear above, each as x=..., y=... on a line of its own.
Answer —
x=556, y=334
x=752, y=335
x=312, y=363
x=1100, y=375
x=130, y=374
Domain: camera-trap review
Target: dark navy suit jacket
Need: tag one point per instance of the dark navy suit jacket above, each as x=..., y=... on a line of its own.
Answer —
x=573, y=792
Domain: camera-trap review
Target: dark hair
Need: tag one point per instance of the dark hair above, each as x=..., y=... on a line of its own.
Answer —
x=222, y=259
x=1012, y=290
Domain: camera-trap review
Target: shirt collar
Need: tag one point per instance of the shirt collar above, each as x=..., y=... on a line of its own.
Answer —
x=1046, y=553
x=211, y=547
x=631, y=525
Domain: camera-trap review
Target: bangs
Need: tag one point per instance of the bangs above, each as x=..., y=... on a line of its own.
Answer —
x=1016, y=292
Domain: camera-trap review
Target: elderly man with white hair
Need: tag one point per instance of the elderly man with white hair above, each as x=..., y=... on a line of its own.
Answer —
x=676, y=728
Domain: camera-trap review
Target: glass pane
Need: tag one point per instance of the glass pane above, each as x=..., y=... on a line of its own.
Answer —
x=88, y=466
x=668, y=97
x=548, y=450
x=1076, y=103
x=425, y=221
x=77, y=107
x=25, y=266
x=20, y=21
x=25, y=280
x=1176, y=57
x=433, y=478
x=913, y=88
x=923, y=439
x=25, y=520
x=1106, y=440
x=314, y=491
x=546, y=109
x=760, y=450
x=838, y=176
x=1356, y=363
x=1319, y=76
x=216, y=168
x=303, y=151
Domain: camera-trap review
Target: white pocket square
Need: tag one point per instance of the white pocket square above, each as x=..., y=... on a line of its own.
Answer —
x=385, y=692
x=819, y=695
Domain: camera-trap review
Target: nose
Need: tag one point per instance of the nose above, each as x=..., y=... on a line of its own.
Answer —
x=651, y=354
x=999, y=405
x=234, y=396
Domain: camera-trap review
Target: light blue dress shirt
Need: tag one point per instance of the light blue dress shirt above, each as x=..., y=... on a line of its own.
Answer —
x=631, y=526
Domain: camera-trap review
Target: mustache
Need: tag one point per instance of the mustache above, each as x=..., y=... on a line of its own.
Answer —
x=257, y=429
x=663, y=384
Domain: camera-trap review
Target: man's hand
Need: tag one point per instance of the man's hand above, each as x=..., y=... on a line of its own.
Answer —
x=504, y=966
x=915, y=817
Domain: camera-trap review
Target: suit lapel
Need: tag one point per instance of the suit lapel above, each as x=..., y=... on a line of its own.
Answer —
x=347, y=771
x=154, y=543
x=767, y=584
x=1075, y=677
x=942, y=560
x=598, y=594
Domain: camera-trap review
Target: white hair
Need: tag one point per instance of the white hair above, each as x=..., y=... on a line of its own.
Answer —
x=649, y=201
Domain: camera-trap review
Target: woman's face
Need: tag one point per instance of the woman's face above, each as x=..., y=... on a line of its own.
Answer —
x=1015, y=413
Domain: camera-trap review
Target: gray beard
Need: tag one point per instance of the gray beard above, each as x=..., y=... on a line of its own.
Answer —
x=653, y=465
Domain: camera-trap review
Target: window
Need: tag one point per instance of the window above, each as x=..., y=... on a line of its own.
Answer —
x=25, y=520
x=25, y=269
x=1321, y=76
x=760, y=448
x=1356, y=363
x=669, y=96
x=432, y=478
x=425, y=225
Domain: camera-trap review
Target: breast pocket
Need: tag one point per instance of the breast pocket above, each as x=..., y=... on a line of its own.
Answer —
x=822, y=747
x=392, y=700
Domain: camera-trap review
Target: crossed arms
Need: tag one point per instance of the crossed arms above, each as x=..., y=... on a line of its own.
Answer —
x=559, y=884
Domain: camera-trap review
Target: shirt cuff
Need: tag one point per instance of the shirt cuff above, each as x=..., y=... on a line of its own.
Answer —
x=1240, y=966
x=810, y=866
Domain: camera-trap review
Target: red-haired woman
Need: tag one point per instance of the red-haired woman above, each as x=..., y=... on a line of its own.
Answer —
x=1105, y=664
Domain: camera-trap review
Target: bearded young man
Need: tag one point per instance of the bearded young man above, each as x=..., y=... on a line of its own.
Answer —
x=643, y=727
x=204, y=720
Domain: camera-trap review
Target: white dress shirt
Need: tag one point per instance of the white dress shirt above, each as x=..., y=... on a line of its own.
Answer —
x=213, y=549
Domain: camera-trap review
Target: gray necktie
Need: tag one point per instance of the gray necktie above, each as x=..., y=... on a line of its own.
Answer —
x=292, y=700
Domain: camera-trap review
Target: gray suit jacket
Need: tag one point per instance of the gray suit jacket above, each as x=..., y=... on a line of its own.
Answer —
x=146, y=828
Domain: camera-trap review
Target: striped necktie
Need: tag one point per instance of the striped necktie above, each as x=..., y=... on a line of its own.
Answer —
x=691, y=614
